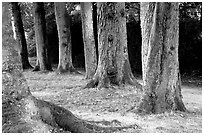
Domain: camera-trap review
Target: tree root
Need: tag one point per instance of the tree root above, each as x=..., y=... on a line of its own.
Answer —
x=134, y=82
x=95, y=82
x=91, y=84
x=59, y=117
x=110, y=129
x=112, y=79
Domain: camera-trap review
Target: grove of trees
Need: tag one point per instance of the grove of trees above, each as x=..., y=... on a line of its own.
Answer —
x=107, y=60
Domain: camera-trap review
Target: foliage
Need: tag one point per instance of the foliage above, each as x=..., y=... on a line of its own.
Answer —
x=190, y=38
x=191, y=10
x=27, y=15
x=132, y=11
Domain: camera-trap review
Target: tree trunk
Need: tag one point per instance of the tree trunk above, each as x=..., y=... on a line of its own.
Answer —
x=43, y=62
x=162, y=78
x=88, y=38
x=20, y=35
x=63, y=27
x=113, y=65
x=146, y=18
x=23, y=113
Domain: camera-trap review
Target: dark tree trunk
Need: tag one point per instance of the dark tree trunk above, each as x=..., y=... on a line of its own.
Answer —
x=88, y=38
x=161, y=65
x=20, y=35
x=43, y=62
x=113, y=65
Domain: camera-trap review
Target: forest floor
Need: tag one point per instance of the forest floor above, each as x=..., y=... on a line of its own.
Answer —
x=115, y=106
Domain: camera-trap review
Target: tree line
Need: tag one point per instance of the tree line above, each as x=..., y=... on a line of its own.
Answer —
x=160, y=64
x=160, y=32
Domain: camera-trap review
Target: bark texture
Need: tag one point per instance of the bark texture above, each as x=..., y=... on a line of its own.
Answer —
x=146, y=18
x=43, y=62
x=64, y=34
x=161, y=65
x=113, y=65
x=88, y=38
x=22, y=112
x=20, y=35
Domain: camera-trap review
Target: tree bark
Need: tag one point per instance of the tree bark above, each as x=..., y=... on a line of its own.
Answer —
x=146, y=18
x=20, y=35
x=43, y=62
x=162, y=77
x=23, y=113
x=88, y=38
x=13, y=28
x=64, y=34
x=113, y=65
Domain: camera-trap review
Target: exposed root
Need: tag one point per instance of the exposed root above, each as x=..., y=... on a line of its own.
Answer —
x=91, y=84
x=59, y=117
x=110, y=129
x=147, y=105
x=111, y=78
x=134, y=82
x=179, y=105
x=105, y=82
x=129, y=77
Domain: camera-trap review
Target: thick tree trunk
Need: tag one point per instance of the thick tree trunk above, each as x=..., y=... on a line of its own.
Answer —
x=63, y=27
x=88, y=38
x=20, y=35
x=23, y=113
x=113, y=65
x=162, y=78
x=42, y=62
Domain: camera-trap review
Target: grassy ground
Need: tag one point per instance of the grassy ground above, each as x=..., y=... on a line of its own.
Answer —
x=115, y=106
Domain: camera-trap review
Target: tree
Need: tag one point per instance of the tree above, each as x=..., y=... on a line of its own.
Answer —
x=88, y=38
x=64, y=34
x=20, y=35
x=43, y=61
x=160, y=32
x=21, y=111
x=113, y=65
x=146, y=15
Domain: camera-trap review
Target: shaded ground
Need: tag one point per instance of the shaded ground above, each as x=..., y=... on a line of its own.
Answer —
x=115, y=106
